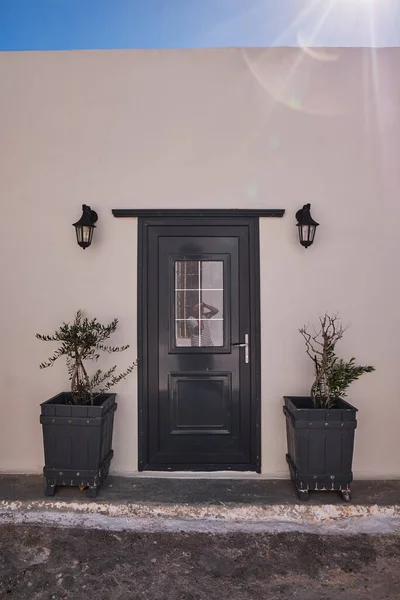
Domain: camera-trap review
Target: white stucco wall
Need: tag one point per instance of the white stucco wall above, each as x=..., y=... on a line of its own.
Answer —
x=202, y=128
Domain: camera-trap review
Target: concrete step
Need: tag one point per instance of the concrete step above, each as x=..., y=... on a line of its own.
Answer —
x=169, y=504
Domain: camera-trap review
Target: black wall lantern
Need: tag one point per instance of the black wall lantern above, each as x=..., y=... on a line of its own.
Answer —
x=85, y=227
x=306, y=226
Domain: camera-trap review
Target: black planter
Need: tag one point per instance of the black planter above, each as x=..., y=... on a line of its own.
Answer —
x=320, y=445
x=77, y=442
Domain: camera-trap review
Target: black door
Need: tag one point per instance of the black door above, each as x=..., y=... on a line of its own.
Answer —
x=199, y=344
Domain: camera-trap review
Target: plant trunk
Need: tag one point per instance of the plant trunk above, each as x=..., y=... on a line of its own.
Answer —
x=87, y=381
x=320, y=391
x=80, y=382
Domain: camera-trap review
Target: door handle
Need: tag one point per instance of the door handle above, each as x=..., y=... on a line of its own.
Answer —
x=244, y=345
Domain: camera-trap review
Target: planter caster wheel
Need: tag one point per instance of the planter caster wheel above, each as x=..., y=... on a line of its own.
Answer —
x=92, y=491
x=50, y=490
x=302, y=495
x=346, y=495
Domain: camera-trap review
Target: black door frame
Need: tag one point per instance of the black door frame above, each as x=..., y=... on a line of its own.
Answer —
x=197, y=217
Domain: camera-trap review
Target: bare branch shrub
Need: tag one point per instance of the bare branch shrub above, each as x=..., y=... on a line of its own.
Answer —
x=332, y=374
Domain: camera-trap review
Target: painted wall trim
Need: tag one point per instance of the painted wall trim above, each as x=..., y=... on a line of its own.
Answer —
x=197, y=213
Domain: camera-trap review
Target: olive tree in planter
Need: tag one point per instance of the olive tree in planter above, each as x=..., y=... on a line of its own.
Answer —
x=78, y=425
x=321, y=427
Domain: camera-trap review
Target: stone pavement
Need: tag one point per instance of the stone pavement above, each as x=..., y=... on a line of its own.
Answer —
x=196, y=490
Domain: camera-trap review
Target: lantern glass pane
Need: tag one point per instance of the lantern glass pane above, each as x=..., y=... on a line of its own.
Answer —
x=311, y=233
x=305, y=233
x=78, y=234
x=86, y=233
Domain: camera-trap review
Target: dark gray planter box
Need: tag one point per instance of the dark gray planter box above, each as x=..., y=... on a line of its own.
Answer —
x=77, y=442
x=320, y=445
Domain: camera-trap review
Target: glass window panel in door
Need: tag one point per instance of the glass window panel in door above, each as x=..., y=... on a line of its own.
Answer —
x=199, y=301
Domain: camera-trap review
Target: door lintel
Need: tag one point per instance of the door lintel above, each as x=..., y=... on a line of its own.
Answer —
x=197, y=213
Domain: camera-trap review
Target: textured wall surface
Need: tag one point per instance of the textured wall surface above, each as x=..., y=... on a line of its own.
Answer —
x=202, y=128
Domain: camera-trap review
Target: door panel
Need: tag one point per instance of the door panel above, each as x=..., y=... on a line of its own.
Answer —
x=200, y=403
x=199, y=396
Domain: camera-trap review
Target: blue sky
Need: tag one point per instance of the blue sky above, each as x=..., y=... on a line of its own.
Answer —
x=102, y=24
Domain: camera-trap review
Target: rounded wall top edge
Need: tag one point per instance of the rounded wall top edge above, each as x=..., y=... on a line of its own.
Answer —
x=192, y=49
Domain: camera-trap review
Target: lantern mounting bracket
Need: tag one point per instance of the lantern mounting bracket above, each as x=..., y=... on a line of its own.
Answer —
x=92, y=214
